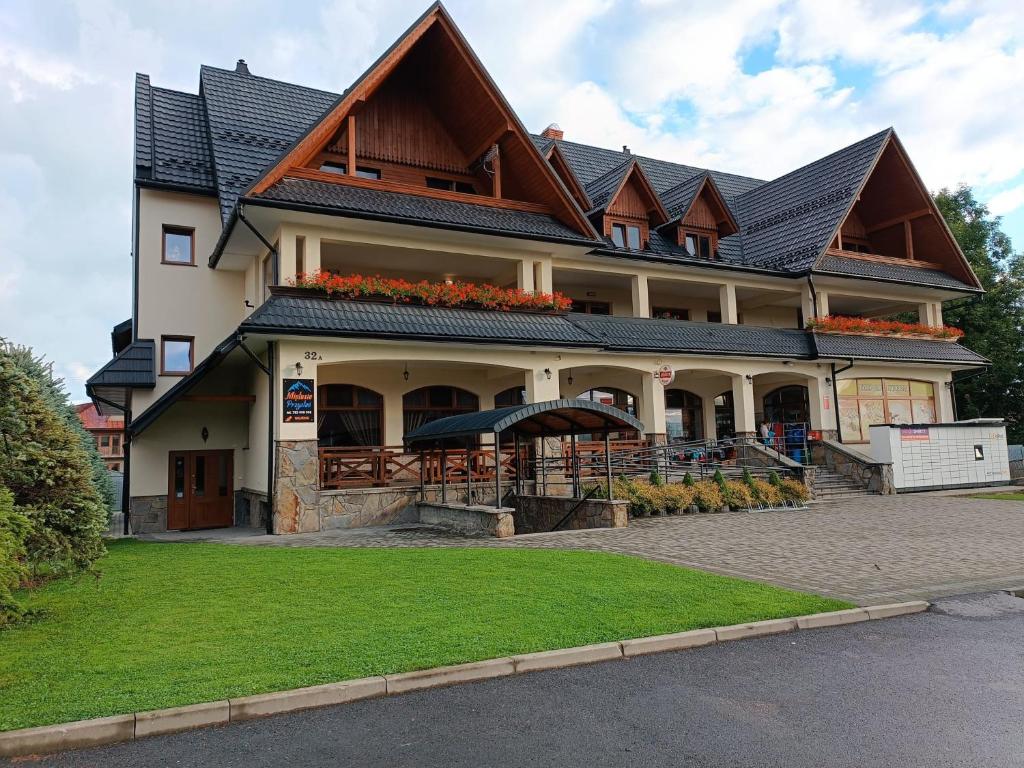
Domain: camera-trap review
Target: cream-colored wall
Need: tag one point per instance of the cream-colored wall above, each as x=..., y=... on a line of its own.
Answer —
x=180, y=429
x=255, y=468
x=177, y=300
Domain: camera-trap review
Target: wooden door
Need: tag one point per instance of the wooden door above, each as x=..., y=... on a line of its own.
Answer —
x=200, y=492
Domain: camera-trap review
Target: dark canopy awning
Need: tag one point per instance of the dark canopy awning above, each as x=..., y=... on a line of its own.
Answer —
x=555, y=417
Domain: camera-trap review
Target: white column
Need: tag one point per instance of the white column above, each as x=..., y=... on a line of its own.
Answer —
x=823, y=310
x=312, y=254
x=807, y=304
x=641, y=297
x=542, y=279
x=286, y=256
x=727, y=302
x=652, y=405
x=930, y=313
x=823, y=407
x=539, y=387
x=394, y=416
x=708, y=414
x=524, y=275
x=743, y=403
x=943, y=402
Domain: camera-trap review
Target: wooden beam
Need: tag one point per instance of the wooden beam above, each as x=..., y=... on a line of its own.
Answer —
x=909, y=238
x=351, y=145
x=894, y=260
x=898, y=220
x=486, y=144
x=218, y=398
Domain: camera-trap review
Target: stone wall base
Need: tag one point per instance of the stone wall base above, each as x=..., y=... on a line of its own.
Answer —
x=473, y=520
x=251, y=509
x=148, y=514
x=539, y=514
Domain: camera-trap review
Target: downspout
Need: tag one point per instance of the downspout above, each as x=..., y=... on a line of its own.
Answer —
x=126, y=444
x=814, y=298
x=268, y=369
x=835, y=396
x=270, y=247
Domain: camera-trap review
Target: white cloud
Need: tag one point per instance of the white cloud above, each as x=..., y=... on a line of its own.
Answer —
x=1007, y=201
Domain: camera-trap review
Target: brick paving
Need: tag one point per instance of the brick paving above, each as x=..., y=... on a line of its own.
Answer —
x=868, y=550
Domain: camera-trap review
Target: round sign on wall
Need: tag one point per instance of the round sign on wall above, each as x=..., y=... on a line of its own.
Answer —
x=665, y=375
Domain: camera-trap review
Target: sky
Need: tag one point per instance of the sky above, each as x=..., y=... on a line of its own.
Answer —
x=756, y=87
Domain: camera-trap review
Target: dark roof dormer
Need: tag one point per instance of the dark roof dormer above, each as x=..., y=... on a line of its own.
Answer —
x=625, y=206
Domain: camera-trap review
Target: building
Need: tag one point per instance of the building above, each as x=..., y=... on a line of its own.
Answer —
x=108, y=430
x=693, y=290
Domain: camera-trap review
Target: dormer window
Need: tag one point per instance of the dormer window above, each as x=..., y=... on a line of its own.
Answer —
x=627, y=236
x=698, y=245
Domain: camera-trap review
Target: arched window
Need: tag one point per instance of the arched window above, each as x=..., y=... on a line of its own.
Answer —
x=510, y=396
x=349, y=416
x=618, y=398
x=725, y=415
x=427, y=404
x=863, y=402
x=787, y=405
x=684, y=416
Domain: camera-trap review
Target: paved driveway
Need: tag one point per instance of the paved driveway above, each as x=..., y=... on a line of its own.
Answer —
x=868, y=550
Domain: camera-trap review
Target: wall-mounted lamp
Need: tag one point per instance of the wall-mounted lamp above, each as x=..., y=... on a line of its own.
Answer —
x=249, y=304
x=547, y=374
x=570, y=377
x=749, y=378
x=298, y=369
x=405, y=373
x=205, y=434
x=787, y=362
x=828, y=380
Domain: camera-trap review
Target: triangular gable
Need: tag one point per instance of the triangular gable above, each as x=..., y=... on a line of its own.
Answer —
x=471, y=125
x=556, y=158
x=626, y=191
x=697, y=202
x=893, y=218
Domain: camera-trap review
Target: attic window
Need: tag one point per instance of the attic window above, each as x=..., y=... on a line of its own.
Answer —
x=450, y=185
x=627, y=236
x=363, y=172
x=697, y=245
x=367, y=173
x=329, y=166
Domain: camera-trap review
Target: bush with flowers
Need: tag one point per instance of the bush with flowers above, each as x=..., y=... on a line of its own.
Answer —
x=868, y=326
x=453, y=294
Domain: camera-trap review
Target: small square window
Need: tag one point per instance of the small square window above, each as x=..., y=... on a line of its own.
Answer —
x=979, y=453
x=633, y=237
x=705, y=247
x=175, y=355
x=178, y=246
x=329, y=166
x=104, y=441
x=619, y=235
x=435, y=183
x=691, y=245
x=465, y=188
x=367, y=173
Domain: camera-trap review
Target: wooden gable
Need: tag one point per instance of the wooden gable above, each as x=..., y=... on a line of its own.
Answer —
x=708, y=211
x=635, y=198
x=426, y=114
x=894, y=219
x=561, y=167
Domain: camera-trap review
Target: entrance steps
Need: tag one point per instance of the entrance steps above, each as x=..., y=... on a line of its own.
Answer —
x=829, y=485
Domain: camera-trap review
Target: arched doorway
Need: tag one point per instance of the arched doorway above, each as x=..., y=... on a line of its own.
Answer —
x=510, y=396
x=787, y=405
x=725, y=416
x=684, y=416
x=349, y=416
x=617, y=398
x=428, y=404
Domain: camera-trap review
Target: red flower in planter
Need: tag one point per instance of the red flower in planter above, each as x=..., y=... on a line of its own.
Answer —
x=865, y=325
x=454, y=294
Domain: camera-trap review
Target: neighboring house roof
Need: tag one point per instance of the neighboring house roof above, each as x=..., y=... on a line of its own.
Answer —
x=93, y=420
x=415, y=209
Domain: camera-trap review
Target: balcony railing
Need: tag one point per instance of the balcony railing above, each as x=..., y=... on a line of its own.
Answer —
x=387, y=466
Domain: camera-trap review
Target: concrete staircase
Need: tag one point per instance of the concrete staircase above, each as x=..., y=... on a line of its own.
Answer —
x=829, y=485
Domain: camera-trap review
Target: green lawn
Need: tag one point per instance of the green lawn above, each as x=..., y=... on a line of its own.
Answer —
x=172, y=624
x=1003, y=496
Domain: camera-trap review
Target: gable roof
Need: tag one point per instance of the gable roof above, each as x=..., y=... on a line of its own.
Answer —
x=171, y=146
x=547, y=183
x=605, y=190
x=787, y=223
x=680, y=199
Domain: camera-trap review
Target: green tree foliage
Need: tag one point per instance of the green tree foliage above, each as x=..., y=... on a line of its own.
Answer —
x=14, y=527
x=45, y=466
x=991, y=322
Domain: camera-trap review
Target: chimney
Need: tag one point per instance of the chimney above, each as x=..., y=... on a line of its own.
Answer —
x=552, y=132
x=241, y=68
x=625, y=150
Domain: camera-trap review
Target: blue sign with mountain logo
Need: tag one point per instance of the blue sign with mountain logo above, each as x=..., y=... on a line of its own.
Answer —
x=298, y=400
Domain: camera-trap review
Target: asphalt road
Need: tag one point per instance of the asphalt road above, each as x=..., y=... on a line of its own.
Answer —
x=939, y=689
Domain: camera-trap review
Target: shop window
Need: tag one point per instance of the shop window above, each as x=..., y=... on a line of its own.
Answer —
x=863, y=402
x=349, y=415
x=787, y=405
x=684, y=416
x=510, y=396
x=725, y=416
x=616, y=398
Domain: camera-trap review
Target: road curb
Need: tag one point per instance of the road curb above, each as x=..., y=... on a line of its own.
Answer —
x=119, y=728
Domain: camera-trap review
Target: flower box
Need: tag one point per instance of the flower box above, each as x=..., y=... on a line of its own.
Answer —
x=863, y=326
x=424, y=293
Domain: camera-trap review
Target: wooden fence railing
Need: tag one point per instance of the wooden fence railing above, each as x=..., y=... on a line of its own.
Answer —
x=382, y=466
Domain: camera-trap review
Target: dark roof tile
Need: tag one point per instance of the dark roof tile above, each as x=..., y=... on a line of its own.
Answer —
x=876, y=270
x=842, y=346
